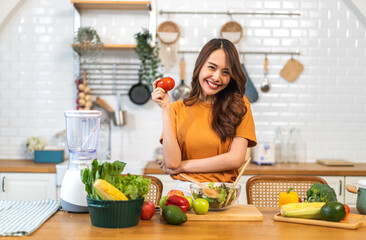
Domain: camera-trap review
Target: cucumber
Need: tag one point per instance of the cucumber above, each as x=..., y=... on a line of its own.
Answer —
x=174, y=215
x=333, y=211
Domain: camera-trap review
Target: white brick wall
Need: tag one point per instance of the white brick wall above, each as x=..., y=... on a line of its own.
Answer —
x=327, y=102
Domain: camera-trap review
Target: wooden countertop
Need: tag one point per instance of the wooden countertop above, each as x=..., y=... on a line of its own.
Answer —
x=359, y=169
x=26, y=166
x=78, y=226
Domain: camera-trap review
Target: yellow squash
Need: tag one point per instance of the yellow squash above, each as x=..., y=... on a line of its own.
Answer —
x=107, y=191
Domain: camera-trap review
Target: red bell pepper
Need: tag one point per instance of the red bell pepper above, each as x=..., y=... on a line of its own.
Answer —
x=178, y=201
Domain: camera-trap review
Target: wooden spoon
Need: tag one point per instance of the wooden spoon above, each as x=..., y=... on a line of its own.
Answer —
x=209, y=192
x=101, y=102
x=244, y=166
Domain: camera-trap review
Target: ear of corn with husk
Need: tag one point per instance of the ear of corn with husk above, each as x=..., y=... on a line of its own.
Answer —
x=302, y=210
x=107, y=191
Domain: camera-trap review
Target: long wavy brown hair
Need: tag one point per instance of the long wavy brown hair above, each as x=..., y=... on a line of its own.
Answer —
x=229, y=107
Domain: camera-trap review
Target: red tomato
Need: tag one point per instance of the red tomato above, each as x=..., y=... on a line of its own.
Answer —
x=166, y=83
x=347, y=210
x=175, y=192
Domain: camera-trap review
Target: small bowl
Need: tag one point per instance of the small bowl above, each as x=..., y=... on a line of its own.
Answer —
x=217, y=204
x=115, y=214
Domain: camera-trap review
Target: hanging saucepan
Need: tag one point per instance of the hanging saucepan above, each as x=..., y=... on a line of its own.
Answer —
x=139, y=93
x=361, y=195
x=182, y=91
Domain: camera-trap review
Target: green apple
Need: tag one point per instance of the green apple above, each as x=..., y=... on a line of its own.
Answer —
x=162, y=201
x=190, y=200
x=200, y=206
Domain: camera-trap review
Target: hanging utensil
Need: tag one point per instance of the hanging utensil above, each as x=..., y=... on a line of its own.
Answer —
x=168, y=33
x=291, y=70
x=101, y=102
x=119, y=115
x=232, y=31
x=182, y=91
x=244, y=166
x=250, y=90
x=265, y=84
x=140, y=92
x=209, y=192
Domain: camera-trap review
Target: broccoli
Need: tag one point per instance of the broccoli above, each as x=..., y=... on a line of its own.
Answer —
x=319, y=192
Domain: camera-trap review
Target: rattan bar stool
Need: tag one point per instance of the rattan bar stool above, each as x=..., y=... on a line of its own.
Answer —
x=155, y=190
x=263, y=191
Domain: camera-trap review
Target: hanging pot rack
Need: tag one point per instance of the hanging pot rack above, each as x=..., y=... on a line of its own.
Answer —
x=230, y=13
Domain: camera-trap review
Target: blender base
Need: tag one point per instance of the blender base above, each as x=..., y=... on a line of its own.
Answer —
x=69, y=207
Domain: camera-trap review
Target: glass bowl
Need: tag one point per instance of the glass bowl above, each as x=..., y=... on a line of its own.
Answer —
x=221, y=202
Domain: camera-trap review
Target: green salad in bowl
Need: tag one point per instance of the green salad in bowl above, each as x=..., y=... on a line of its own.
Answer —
x=224, y=198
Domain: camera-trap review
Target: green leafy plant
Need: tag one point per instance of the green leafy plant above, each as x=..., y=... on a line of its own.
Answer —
x=87, y=41
x=133, y=186
x=147, y=52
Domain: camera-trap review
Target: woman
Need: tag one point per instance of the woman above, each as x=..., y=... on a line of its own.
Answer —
x=207, y=134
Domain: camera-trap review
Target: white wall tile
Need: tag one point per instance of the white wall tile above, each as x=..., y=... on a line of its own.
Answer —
x=327, y=102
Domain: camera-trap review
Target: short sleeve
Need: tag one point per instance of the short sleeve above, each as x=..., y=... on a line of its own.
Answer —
x=246, y=129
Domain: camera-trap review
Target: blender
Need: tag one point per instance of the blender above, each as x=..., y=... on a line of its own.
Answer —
x=82, y=127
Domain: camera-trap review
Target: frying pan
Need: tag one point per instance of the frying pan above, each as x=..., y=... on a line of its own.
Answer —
x=182, y=91
x=139, y=93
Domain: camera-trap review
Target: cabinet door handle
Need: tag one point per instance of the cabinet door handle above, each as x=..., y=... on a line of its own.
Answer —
x=3, y=184
x=340, y=187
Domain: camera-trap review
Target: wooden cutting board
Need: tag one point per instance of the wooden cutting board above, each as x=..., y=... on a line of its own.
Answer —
x=237, y=213
x=353, y=221
x=335, y=162
x=291, y=70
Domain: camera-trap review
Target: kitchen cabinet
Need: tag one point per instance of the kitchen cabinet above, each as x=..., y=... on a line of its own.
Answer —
x=350, y=198
x=28, y=186
x=337, y=183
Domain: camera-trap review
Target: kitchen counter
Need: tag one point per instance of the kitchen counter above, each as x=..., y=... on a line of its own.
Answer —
x=64, y=225
x=359, y=169
x=26, y=166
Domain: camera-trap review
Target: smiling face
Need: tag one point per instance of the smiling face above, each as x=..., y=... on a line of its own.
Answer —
x=214, y=75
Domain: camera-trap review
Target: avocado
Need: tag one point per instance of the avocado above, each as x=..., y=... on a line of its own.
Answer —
x=333, y=211
x=174, y=215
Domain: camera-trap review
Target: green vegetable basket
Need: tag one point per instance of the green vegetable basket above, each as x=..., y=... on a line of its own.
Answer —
x=115, y=214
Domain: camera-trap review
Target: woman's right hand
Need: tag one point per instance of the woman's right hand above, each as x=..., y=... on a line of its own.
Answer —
x=160, y=96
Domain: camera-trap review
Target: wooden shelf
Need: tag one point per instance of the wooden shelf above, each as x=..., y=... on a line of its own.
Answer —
x=111, y=5
x=117, y=46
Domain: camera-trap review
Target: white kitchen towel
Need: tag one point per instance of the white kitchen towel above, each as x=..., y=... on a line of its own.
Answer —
x=20, y=218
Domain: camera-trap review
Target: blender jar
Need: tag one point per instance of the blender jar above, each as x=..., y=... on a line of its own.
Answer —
x=82, y=129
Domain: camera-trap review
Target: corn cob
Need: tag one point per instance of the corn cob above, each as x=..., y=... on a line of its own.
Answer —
x=302, y=210
x=107, y=191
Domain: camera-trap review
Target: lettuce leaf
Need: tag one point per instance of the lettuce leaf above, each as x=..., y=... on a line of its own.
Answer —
x=132, y=186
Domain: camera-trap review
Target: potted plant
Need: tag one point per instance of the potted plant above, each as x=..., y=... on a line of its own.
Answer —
x=87, y=41
x=34, y=143
x=36, y=146
x=147, y=52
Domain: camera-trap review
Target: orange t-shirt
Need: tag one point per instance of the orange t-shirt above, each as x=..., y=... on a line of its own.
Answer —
x=196, y=139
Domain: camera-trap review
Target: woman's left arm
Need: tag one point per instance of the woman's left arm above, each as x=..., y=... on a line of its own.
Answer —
x=233, y=159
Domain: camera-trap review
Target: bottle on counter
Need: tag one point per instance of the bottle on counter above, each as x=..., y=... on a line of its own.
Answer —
x=292, y=146
x=278, y=145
